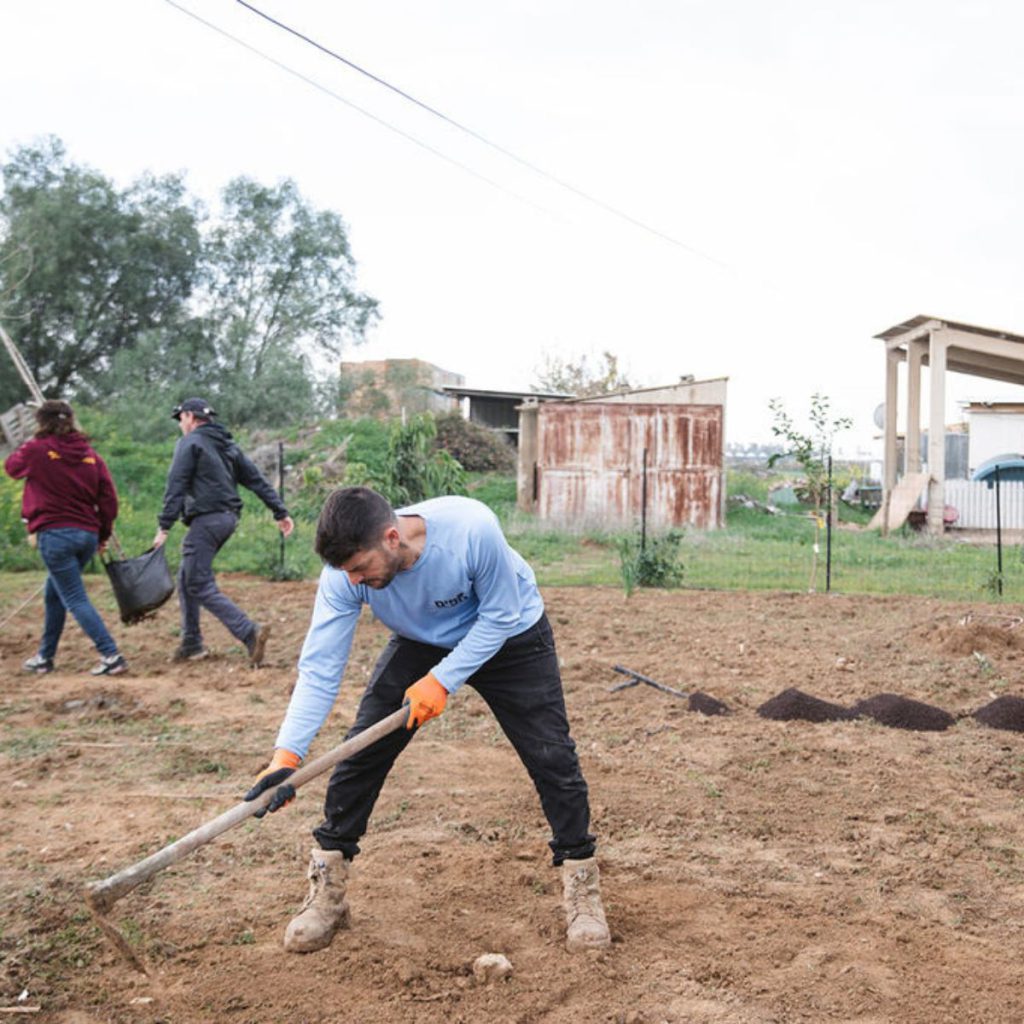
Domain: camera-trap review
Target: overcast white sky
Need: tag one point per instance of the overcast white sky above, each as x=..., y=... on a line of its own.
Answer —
x=845, y=166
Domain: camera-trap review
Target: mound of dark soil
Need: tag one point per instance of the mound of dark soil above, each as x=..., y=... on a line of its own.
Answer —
x=1003, y=713
x=903, y=713
x=706, y=704
x=795, y=704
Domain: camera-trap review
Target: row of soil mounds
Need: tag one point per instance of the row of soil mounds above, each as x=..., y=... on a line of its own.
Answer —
x=885, y=708
x=890, y=709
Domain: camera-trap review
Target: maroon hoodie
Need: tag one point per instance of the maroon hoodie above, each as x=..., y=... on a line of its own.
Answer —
x=66, y=484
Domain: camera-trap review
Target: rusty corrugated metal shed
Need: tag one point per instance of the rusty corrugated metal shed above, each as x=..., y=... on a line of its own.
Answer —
x=590, y=464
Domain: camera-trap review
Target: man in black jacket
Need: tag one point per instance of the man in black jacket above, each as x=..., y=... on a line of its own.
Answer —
x=202, y=490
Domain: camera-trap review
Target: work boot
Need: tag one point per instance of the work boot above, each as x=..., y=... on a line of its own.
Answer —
x=584, y=914
x=257, y=645
x=325, y=909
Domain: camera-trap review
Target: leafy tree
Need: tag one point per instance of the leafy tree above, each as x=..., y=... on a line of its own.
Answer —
x=278, y=293
x=811, y=450
x=579, y=378
x=132, y=298
x=86, y=267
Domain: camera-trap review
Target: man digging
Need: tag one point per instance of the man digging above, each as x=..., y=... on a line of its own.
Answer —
x=464, y=608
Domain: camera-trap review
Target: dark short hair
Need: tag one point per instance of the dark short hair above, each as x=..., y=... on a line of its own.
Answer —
x=55, y=417
x=352, y=519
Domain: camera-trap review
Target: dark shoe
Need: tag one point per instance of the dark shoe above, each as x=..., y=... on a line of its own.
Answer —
x=257, y=645
x=38, y=665
x=190, y=652
x=111, y=665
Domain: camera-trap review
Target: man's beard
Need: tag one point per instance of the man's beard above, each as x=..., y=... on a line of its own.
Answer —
x=380, y=582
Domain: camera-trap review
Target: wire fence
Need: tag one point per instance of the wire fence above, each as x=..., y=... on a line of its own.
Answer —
x=977, y=557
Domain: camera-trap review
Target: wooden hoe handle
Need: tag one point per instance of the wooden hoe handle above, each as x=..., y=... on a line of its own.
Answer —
x=102, y=895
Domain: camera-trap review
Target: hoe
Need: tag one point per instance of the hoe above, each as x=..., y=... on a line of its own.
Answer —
x=101, y=896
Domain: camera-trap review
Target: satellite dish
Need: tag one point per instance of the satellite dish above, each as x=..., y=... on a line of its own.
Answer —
x=879, y=416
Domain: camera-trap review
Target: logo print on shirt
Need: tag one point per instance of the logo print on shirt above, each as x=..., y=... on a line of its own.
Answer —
x=451, y=602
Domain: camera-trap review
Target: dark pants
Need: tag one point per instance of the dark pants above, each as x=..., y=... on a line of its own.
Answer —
x=522, y=686
x=197, y=587
x=65, y=553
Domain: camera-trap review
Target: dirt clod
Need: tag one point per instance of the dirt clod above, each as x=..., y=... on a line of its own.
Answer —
x=904, y=713
x=793, y=704
x=491, y=967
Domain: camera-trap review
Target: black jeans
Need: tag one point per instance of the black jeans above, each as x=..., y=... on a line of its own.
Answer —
x=197, y=586
x=522, y=686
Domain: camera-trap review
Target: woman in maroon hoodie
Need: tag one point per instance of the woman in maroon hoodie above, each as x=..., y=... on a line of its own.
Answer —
x=70, y=504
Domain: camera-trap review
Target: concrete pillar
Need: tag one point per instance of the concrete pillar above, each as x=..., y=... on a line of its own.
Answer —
x=892, y=365
x=937, y=345
x=915, y=352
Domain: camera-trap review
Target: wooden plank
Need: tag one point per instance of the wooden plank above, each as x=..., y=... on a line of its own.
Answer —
x=893, y=512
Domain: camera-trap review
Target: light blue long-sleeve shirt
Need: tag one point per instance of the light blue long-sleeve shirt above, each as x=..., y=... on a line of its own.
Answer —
x=468, y=591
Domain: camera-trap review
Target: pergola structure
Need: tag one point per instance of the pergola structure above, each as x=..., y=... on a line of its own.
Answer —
x=944, y=347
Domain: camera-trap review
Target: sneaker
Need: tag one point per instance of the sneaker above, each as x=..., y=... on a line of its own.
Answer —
x=257, y=645
x=111, y=665
x=38, y=665
x=190, y=652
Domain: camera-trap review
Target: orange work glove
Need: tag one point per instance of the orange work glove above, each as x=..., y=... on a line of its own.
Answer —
x=282, y=764
x=426, y=698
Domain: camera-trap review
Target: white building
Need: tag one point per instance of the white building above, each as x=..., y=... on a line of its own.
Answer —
x=995, y=428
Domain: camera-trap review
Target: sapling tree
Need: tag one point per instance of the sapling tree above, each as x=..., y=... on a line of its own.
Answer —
x=812, y=449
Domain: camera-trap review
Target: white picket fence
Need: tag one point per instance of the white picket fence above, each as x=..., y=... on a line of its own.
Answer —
x=975, y=502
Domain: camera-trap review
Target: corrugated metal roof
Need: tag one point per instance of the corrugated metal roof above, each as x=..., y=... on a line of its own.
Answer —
x=520, y=396
x=681, y=385
x=917, y=321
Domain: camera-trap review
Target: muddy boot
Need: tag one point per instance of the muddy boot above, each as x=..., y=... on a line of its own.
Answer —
x=257, y=645
x=325, y=909
x=584, y=914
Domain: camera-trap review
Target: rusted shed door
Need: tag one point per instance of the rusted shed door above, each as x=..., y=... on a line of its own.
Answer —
x=590, y=460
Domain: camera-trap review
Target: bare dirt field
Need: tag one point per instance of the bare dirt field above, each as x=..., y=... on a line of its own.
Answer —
x=754, y=871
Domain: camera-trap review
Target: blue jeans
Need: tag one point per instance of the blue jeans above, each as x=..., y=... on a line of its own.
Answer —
x=65, y=552
x=197, y=586
x=523, y=688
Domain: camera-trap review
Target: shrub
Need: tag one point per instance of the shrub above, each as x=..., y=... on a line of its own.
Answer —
x=656, y=565
x=416, y=469
x=476, y=448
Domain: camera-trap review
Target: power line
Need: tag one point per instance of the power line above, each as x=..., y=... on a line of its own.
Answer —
x=483, y=139
x=366, y=113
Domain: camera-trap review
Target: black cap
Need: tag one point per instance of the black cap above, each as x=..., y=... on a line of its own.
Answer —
x=198, y=406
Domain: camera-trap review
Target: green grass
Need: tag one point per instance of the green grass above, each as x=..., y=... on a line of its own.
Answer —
x=755, y=551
